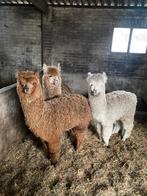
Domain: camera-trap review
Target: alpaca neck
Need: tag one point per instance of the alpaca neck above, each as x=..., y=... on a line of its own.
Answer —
x=33, y=105
x=98, y=103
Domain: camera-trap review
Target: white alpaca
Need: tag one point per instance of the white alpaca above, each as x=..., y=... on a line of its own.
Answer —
x=111, y=108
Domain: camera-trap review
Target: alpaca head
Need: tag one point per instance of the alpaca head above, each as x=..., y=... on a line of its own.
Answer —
x=28, y=84
x=51, y=80
x=96, y=83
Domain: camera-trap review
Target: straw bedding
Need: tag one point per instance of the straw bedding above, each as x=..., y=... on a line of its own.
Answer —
x=120, y=169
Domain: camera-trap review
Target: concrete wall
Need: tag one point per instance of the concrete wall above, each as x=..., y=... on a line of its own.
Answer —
x=20, y=41
x=12, y=126
x=81, y=40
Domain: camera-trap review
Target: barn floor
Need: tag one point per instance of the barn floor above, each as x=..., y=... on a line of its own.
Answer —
x=120, y=169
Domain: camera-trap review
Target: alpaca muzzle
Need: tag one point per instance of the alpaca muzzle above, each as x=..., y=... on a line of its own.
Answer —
x=25, y=88
x=94, y=92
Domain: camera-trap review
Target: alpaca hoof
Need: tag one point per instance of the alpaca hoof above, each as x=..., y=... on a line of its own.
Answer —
x=106, y=144
x=78, y=146
x=124, y=139
x=101, y=140
x=54, y=158
x=54, y=161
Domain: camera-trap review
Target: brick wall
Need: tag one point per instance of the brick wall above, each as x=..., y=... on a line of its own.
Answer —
x=81, y=40
x=20, y=41
x=78, y=38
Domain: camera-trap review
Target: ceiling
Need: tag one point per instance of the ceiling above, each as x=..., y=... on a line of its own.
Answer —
x=43, y=4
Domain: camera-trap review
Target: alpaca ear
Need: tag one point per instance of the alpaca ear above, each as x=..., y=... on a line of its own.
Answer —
x=17, y=73
x=104, y=77
x=59, y=67
x=89, y=74
x=45, y=68
x=37, y=73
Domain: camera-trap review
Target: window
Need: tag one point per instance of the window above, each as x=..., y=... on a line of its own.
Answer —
x=129, y=40
x=138, y=41
x=120, y=39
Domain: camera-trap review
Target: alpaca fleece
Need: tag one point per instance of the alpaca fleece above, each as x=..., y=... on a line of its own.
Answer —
x=52, y=82
x=115, y=108
x=50, y=119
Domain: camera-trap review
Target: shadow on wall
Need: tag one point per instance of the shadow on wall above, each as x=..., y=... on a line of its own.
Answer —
x=8, y=67
x=7, y=70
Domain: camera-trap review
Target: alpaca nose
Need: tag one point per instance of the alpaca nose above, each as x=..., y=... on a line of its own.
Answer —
x=93, y=92
x=25, y=88
x=56, y=81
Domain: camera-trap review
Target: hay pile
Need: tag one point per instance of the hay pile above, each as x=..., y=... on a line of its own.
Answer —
x=120, y=169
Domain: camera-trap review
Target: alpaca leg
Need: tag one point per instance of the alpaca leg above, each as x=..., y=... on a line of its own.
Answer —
x=54, y=148
x=116, y=127
x=128, y=126
x=80, y=135
x=106, y=133
x=99, y=131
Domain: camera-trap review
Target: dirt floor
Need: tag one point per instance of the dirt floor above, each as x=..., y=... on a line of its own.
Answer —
x=120, y=169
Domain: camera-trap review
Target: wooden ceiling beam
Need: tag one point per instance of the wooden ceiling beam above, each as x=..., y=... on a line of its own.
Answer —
x=109, y=2
x=136, y=3
x=95, y=2
x=102, y=3
x=40, y=5
x=115, y=2
x=142, y=3
x=122, y=3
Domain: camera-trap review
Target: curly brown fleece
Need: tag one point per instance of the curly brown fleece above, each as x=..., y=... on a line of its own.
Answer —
x=52, y=82
x=50, y=119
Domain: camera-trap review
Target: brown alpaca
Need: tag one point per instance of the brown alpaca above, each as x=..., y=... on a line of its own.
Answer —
x=50, y=119
x=52, y=82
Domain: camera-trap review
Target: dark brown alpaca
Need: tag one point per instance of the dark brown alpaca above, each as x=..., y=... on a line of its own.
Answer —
x=50, y=119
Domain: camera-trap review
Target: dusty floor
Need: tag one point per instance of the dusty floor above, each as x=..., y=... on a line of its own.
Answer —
x=119, y=170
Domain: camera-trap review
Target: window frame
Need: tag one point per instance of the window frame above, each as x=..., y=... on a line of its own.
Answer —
x=129, y=42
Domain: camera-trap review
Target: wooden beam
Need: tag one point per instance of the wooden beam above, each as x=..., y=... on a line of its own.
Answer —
x=142, y=3
x=109, y=2
x=95, y=2
x=41, y=5
x=82, y=2
x=102, y=2
x=88, y=1
x=115, y=2
x=136, y=3
x=122, y=3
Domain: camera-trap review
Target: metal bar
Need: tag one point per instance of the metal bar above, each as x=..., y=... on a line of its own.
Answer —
x=130, y=37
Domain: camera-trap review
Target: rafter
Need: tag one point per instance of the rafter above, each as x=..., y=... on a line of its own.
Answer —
x=95, y=2
x=41, y=5
x=102, y=2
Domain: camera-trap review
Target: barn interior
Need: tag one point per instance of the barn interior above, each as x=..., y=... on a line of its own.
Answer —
x=83, y=36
